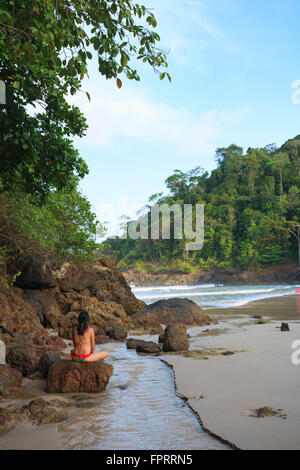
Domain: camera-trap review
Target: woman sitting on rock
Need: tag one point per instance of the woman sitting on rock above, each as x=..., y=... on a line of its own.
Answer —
x=84, y=341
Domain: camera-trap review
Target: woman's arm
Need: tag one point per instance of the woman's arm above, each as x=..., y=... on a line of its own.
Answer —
x=92, y=340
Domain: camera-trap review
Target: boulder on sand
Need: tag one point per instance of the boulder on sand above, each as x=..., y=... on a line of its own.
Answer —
x=118, y=334
x=285, y=327
x=148, y=347
x=132, y=343
x=175, y=311
x=175, y=338
x=71, y=376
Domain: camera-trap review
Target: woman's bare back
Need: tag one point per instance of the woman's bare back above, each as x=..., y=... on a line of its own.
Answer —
x=85, y=344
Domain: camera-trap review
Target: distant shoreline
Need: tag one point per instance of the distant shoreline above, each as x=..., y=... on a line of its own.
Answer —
x=280, y=274
x=285, y=307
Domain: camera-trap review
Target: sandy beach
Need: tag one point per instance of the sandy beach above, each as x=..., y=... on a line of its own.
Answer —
x=286, y=307
x=26, y=436
x=224, y=390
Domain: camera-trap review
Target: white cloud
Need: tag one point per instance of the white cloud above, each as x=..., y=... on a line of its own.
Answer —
x=132, y=115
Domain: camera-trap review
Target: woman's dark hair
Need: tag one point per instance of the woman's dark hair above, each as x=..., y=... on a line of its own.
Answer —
x=83, y=319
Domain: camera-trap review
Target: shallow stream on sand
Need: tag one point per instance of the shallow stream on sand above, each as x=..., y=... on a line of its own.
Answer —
x=138, y=410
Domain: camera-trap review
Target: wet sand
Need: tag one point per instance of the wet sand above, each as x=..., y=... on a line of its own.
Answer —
x=231, y=387
x=283, y=308
x=26, y=436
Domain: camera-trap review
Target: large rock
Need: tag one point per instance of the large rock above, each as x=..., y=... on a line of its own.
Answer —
x=36, y=275
x=18, y=314
x=9, y=379
x=2, y=352
x=118, y=334
x=46, y=306
x=175, y=338
x=71, y=376
x=102, y=281
x=285, y=327
x=146, y=323
x=148, y=347
x=175, y=310
x=132, y=343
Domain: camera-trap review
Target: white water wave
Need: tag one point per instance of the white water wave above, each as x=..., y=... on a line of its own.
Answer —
x=215, y=295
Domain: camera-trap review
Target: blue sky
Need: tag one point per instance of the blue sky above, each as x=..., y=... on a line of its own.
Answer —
x=232, y=63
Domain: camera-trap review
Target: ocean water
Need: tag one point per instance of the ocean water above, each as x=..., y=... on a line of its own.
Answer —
x=214, y=295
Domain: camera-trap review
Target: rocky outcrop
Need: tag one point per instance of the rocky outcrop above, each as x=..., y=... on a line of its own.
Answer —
x=45, y=305
x=46, y=299
x=18, y=315
x=100, y=289
x=175, y=310
x=9, y=379
x=102, y=281
x=69, y=376
x=36, y=275
x=175, y=338
x=148, y=347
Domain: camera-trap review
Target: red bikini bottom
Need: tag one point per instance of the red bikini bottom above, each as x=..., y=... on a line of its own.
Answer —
x=80, y=357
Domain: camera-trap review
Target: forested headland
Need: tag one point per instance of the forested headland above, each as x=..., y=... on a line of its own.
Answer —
x=252, y=214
